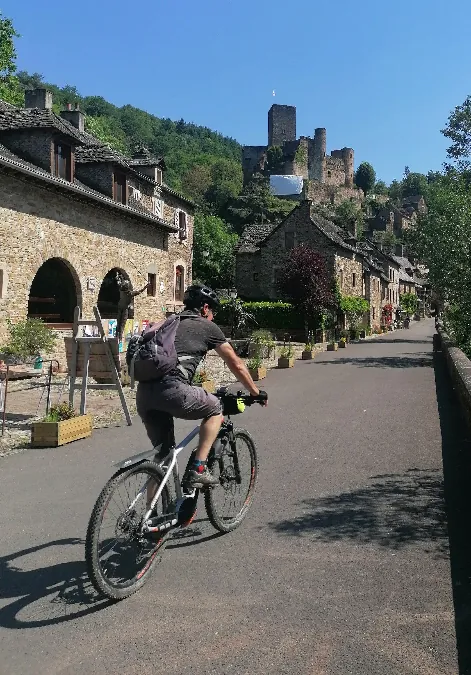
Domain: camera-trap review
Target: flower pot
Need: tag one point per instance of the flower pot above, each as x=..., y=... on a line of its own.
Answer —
x=342, y=345
x=258, y=373
x=53, y=434
x=308, y=356
x=209, y=386
x=332, y=347
x=285, y=362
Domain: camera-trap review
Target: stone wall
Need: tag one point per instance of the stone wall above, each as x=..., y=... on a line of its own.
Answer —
x=38, y=223
x=373, y=293
x=35, y=147
x=248, y=275
x=334, y=172
x=320, y=193
x=349, y=273
x=281, y=124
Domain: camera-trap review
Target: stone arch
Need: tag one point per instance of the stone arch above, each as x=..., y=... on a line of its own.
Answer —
x=55, y=291
x=108, y=295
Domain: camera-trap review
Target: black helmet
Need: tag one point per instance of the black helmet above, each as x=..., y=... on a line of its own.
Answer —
x=198, y=295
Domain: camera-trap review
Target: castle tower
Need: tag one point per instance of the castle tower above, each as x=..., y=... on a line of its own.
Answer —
x=281, y=124
x=318, y=160
x=348, y=158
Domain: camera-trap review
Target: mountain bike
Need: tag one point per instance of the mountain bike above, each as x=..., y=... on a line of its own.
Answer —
x=137, y=509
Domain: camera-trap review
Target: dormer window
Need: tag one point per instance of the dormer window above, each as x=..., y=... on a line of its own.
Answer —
x=120, y=193
x=62, y=161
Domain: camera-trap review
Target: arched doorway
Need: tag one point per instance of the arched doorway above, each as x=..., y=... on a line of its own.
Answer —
x=108, y=296
x=53, y=293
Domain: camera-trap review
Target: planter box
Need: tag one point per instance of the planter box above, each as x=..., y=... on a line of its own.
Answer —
x=209, y=386
x=53, y=434
x=342, y=345
x=284, y=362
x=332, y=347
x=258, y=373
x=308, y=356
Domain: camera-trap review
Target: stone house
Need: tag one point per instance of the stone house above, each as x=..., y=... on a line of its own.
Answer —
x=74, y=212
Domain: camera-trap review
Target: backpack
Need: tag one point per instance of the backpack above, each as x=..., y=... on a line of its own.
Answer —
x=152, y=354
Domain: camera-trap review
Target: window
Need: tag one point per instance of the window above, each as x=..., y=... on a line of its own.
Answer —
x=182, y=231
x=158, y=207
x=354, y=279
x=329, y=174
x=179, y=283
x=152, y=287
x=1, y=283
x=290, y=238
x=119, y=188
x=63, y=161
x=341, y=278
x=277, y=275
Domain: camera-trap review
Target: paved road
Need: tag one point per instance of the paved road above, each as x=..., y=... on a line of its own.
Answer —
x=343, y=565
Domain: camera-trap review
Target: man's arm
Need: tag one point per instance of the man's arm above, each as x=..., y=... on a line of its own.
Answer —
x=237, y=367
x=134, y=293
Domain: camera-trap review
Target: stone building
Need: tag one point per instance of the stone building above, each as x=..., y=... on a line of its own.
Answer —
x=330, y=176
x=74, y=212
x=360, y=268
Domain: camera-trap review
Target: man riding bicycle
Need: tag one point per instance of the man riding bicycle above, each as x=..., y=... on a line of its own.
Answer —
x=158, y=401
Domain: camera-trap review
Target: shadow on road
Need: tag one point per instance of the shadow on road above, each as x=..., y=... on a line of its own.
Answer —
x=57, y=593
x=419, y=360
x=456, y=450
x=393, y=511
x=197, y=533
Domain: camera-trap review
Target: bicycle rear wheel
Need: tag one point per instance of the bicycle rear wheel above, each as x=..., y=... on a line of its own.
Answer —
x=227, y=503
x=119, y=559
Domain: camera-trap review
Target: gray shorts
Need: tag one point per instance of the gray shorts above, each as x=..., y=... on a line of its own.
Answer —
x=160, y=401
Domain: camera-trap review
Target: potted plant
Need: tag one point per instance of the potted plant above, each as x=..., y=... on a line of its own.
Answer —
x=342, y=343
x=332, y=346
x=61, y=425
x=286, y=358
x=202, y=379
x=309, y=351
x=256, y=368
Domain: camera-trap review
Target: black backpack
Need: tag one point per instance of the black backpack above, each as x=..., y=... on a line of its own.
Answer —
x=152, y=355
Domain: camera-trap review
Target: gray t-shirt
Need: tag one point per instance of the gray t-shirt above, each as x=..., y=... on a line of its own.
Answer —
x=195, y=337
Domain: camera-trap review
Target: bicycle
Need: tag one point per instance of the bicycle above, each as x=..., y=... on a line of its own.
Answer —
x=145, y=520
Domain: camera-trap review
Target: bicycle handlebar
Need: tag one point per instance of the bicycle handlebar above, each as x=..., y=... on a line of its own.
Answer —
x=248, y=399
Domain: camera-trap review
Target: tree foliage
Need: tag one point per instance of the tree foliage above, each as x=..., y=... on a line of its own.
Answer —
x=409, y=303
x=29, y=338
x=257, y=205
x=350, y=216
x=365, y=177
x=213, y=253
x=305, y=280
x=354, y=309
x=458, y=131
x=9, y=87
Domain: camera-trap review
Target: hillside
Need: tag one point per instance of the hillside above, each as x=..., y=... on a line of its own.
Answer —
x=190, y=151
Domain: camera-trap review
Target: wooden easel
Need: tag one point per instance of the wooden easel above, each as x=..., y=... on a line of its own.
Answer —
x=81, y=348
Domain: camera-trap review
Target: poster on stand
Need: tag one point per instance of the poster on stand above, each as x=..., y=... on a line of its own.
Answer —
x=112, y=327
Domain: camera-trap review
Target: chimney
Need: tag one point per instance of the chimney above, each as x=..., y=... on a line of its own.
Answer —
x=38, y=98
x=400, y=250
x=75, y=116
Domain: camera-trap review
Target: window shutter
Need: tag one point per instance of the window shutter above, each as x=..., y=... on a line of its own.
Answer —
x=177, y=218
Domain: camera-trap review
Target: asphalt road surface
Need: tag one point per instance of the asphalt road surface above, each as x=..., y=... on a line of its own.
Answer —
x=354, y=558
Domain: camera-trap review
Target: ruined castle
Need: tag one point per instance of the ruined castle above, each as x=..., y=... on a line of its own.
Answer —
x=327, y=178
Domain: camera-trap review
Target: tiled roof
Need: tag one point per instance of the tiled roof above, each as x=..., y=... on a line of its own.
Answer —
x=143, y=157
x=252, y=237
x=173, y=192
x=332, y=232
x=10, y=160
x=6, y=106
x=12, y=119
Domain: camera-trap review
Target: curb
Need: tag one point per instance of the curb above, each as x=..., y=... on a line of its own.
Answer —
x=459, y=367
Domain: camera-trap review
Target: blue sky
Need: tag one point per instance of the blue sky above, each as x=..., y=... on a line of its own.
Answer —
x=382, y=77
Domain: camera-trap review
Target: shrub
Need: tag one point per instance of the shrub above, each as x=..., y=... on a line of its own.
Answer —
x=254, y=363
x=60, y=412
x=286, y=352
x=29, y=338
x=354, y=308
x=274, y=315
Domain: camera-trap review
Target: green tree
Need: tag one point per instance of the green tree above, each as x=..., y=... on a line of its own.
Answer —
x=388, y=240
x=458, y=131
x=275, y=161
x=409, y=303
x=257, y=205
x=213, y=253
x=354, y=309
x=365, y=177
x=10, y=89
x=380, y=188
x=108, y=132
x=415, y=184
x=226, y=183
x=395, y=191
x=350, y=216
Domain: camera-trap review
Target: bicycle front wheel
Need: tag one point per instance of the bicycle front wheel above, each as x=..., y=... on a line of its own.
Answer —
x=227, y=503
x=119, y=558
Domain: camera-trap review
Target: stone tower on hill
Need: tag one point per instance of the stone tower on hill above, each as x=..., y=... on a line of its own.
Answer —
x=304, y=156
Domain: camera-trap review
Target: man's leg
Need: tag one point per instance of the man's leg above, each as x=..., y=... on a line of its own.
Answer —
x=209, y=430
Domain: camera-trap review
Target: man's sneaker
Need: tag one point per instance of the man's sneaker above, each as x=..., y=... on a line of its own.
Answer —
x=200, y=480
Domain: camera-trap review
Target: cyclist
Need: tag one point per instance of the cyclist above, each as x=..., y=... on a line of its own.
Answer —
x=159, y=401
